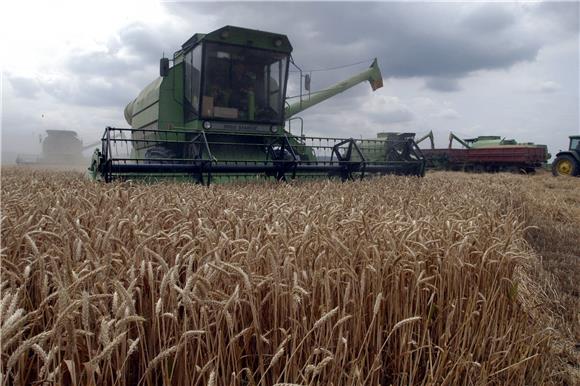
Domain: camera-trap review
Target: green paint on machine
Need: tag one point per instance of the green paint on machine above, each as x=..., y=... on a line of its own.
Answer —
x=220, y=111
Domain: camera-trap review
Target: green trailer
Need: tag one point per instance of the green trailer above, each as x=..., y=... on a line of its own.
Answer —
x=219, y=111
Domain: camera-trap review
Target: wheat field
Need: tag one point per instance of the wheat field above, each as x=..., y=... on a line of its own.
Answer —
x=454, y=279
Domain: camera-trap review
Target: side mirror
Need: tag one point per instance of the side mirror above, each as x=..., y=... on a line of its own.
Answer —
x=307, y=82
x=163, y=67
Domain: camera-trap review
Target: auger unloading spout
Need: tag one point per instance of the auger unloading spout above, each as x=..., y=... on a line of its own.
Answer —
x=372, y=75
x=375, y=76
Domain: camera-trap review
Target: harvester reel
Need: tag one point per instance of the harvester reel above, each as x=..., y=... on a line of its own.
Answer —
x=160, y=154
x=278, y=156
x=343, y=151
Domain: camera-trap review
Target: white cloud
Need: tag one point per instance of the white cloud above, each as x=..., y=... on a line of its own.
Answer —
x=387, y=109
x=447, y=114
x=545, y=87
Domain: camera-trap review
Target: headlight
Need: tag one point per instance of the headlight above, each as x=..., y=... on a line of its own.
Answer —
x=207, y=125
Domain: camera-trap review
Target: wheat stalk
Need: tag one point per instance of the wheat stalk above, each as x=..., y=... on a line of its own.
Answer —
x=352, y=283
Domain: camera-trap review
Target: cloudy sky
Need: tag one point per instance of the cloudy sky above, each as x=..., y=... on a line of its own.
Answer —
x=508, y=69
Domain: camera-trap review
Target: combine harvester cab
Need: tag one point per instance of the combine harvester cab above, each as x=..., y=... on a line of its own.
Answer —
x=219, y=112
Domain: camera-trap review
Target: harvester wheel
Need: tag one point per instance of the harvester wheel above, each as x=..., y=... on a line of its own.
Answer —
x=283, y=159
x=564, y=165
x=279, y=155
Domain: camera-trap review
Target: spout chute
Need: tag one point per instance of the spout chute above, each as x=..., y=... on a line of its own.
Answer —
x=372, y=75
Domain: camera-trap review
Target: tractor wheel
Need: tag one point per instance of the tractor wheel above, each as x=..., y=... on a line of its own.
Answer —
x=564, y=165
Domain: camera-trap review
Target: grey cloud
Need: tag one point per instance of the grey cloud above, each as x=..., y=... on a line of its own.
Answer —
x=384, y=110
x=395, y=116
x=115, y=74
x=457, y=56
x=442, y=84
x=489, y=18
x=143, y=42
x=16, y=122
x=411, y=40
x=25, y=87
x=86, y=91
x=101, y=63
x=109, y=77
x=135, y=47
x=564, y=14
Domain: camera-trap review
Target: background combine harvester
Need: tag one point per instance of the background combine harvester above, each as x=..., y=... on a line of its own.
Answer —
x=219, y=113
x=486, y=154
x=59, y=147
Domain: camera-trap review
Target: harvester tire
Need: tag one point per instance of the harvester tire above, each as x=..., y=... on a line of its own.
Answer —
x=565, y=165
x=279, y=155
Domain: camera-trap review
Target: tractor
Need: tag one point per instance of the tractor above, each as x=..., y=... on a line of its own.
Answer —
x=567, y=162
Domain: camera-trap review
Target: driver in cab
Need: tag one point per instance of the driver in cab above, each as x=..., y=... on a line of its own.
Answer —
x=243, y=88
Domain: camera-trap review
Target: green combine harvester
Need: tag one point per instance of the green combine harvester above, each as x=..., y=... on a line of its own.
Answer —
x=219, y=113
